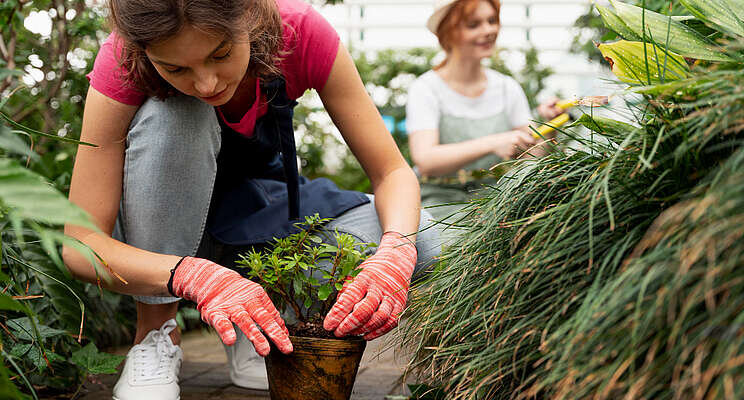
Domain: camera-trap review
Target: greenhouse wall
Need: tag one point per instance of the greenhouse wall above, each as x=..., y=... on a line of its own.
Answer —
x=368, y=25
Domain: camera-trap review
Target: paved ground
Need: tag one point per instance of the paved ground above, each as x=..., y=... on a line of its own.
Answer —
x=204, y=374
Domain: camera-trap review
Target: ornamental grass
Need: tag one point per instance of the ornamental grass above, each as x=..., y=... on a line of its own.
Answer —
x=613, y=269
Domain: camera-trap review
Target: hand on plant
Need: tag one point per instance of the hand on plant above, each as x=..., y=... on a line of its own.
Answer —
x=371, y=303
x=223, y=297
x=511, y=144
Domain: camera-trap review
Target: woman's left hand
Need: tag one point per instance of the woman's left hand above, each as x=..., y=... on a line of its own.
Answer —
x=371, y=303
x=548, y=110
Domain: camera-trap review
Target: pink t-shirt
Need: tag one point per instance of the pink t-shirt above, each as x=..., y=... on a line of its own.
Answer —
x=310, y=45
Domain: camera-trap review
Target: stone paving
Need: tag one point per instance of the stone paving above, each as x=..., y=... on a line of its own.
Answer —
x=204, y=374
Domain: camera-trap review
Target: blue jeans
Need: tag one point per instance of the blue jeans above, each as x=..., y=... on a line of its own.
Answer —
x=169, y=173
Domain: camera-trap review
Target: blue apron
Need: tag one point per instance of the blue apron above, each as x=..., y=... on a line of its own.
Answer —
x=259, y=195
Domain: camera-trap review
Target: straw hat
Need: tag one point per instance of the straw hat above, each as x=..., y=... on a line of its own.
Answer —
x=441, y=7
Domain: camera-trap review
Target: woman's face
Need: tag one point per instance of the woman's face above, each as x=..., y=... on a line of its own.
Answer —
x=478, y=32
x=201, y=65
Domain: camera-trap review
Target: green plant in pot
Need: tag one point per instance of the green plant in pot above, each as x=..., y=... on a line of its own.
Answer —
x=302, y=274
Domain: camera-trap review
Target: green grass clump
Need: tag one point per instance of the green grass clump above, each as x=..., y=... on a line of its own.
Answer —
x=669, y=325
x=548, y=241
x=608, y=271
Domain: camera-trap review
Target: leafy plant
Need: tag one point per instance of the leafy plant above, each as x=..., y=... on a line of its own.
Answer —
x=592, y=28
x=42, y=308
x=290, y=269
x=611, y=270
x=51, y=62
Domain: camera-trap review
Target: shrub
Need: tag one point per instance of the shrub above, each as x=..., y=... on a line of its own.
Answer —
x=290, y=270
x=608, y=271
x=42, y=308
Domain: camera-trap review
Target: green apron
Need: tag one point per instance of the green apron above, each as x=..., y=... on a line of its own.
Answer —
x=434, y=196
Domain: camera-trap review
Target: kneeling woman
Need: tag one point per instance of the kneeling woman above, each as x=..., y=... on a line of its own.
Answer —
x=190, y=106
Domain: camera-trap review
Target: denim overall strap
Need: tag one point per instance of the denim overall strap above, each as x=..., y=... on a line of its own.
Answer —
x=259, y=193
x=280, y=112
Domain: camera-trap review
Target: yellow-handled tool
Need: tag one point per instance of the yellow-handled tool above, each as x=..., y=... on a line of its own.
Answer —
x=548, y=127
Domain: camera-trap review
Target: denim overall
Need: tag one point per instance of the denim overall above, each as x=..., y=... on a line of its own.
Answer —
x=259, y=194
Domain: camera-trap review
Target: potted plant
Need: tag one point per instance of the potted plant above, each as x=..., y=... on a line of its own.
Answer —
x=303, y=273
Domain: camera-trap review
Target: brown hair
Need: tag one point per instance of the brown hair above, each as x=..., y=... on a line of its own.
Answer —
x=448, y=29
x=140, y=23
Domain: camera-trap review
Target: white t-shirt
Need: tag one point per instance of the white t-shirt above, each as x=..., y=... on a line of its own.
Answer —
x=429, y=98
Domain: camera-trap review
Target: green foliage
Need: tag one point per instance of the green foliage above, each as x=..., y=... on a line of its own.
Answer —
x=666, y=31
x=720, y=13
x=424, y=392
x=45, y=331
x=55, y=103
x=643, y=63
x=673, y=310
x=42, y=308
x=94, y=362
x=592, y=29
x=607, y=271
x=7, y=389
x=289, y=269
x=390, y=72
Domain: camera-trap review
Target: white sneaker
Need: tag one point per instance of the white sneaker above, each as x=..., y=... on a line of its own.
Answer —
x=247, y=368
x=151, y=369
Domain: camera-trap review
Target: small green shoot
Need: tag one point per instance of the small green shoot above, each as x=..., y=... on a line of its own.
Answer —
x=290, y=269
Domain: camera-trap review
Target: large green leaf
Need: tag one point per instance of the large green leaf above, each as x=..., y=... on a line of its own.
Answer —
x=8, y=303
x=612, y=21
x=31, y=352
x=29, y=197
x=7, y=389
x=12, y=143
x=633, y=64
x=324, y=291
x=6, y=73
x=95, y=362
x=606, y=126
x=726, y=15
x=681, y=38
x=23, y=329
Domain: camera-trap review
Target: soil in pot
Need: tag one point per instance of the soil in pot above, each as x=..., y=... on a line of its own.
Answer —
x=318, y=368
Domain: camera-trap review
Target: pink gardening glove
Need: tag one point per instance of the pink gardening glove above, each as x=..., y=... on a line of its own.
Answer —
x=371, y=303
x=223, y=296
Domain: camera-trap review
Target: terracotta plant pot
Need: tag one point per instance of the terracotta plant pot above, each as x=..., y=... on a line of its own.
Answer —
x=317, y=369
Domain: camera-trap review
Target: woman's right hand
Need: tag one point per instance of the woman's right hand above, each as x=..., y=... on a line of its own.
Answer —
x=511, y=144
x=223, y=297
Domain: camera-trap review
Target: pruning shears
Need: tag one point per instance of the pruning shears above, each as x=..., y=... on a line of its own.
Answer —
x=550, y=126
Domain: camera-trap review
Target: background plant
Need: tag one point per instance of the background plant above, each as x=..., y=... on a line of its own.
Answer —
x=41, y=307
x=290, y=269
x=590, y=29
x=42, y=87
x=607, y=271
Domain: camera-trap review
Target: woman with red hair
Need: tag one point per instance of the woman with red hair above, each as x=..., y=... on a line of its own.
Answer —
x=461, y=116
